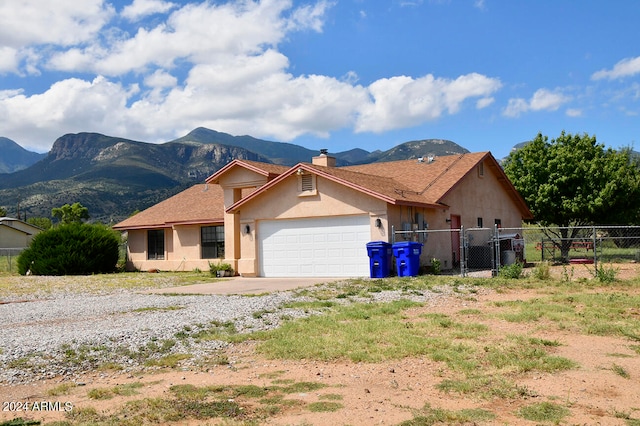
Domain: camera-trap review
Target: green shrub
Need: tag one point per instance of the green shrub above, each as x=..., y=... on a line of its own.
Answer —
x=73, y=249
x=511, y=271
x=606, y=275
x=436, y=266
x=542, y=271
x=214, y=268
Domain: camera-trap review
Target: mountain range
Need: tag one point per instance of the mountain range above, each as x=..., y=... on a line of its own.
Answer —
x=114, y=177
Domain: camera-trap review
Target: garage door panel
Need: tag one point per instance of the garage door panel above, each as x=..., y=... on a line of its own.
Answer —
x=314, y=247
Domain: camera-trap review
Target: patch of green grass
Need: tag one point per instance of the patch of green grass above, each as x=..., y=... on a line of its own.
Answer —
x=168, y=361
x=127, y=389
x=19, y=421
x=331, y=397
x=485, y=386
x=324, y=407
x=302, y=387
x=216, y=330
x=620, y=371
x=61, y=389
x=544, y=412
x=149, y=352
x=470, y=312
x=428, y=416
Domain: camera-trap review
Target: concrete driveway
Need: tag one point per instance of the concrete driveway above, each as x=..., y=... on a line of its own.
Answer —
x=243, y=285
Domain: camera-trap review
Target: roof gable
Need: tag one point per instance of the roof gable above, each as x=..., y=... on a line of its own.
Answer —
x=268, y=171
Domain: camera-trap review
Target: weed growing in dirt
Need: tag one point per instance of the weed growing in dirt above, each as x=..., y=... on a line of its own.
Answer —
x=128, y=389
x=544, y=412
x=436, y=416
x=620, y=371
x=62, y=389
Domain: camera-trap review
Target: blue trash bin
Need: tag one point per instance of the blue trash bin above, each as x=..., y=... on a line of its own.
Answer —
x=407, y=255
x=379, y=259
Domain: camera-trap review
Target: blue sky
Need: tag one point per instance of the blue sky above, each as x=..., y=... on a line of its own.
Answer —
x=336, y=74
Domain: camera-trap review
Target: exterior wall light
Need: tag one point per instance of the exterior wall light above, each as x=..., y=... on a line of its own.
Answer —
x=247, y=229
x=378, y=223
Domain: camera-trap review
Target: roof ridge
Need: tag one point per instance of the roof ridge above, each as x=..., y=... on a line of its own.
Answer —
x=430, y=184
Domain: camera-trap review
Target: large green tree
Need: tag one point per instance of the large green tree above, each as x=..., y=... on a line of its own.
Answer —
x=74, y=213
x=574, y=181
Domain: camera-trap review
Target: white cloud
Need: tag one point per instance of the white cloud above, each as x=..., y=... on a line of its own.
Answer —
x=484, y=102
x=215, y=65
x=542, y=100
x=142, y=8
x=574, y=112
x=197, y=33
x=67, y=106
x=8, y=59
x=160, y=79
x=310, y=16
x=515, y=107
x=403, y=101
x=625, y=68
x=63, y=22
x=547, y=100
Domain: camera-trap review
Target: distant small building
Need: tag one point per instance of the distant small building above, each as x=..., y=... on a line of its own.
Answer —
x=15, y=233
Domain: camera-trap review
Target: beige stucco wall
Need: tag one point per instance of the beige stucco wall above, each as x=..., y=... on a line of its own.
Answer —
x=477, y=196
x=285, y=201
x=182, y=250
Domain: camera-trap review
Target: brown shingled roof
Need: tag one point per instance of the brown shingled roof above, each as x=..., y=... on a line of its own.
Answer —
x=201, y=203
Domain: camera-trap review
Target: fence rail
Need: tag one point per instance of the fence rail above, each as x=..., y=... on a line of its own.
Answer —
x=467, y=250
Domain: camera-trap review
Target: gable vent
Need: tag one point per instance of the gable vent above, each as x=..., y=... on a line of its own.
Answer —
x=307, y=182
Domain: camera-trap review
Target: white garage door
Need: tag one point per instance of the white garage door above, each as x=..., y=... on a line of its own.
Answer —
x=320, y=247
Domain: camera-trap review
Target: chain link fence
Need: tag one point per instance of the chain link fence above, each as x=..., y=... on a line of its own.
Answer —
x=8, y=259
x=486, y=250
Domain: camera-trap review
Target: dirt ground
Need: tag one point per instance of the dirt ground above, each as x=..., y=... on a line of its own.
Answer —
x=389, y=393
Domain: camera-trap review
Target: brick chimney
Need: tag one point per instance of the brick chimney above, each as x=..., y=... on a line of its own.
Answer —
x=324, y=159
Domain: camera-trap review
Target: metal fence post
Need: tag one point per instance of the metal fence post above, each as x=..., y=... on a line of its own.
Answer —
x=463, y=254
x=496, y=249
x=595, y=249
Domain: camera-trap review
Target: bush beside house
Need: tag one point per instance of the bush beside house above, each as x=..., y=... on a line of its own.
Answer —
x=71, y=249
